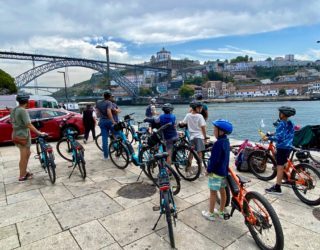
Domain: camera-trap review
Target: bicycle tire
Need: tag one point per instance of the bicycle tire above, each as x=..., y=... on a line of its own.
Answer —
x=129, y=134
x=97, y=141
x=180, y=160
x=65, y=155
x=296, y=189
x=144, y=157
x=262, y=223
x=255, y=161
x=168, y=217
x=118, y=150
x=228, y=200
x=81, y=164
x=154, y=177
x=38, y=150
x=51, y=168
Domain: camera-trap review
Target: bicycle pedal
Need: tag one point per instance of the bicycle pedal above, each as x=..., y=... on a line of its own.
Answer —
x=156, y=208
x=70, y=166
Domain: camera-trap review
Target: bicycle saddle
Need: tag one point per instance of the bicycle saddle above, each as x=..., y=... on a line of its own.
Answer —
x=43, y=136
x=159, y=156
x=243, y=180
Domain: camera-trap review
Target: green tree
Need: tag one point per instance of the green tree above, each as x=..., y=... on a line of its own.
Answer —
x=186, y=91
x=282, y=92
x=240, y=59
x=268, y=59
x=145, y=92
x=7, y=85
x=214, y=76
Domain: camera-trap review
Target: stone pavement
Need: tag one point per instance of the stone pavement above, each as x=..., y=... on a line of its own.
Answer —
x=77, y=214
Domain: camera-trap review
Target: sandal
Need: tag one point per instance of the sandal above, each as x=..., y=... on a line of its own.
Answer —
x=28, y=176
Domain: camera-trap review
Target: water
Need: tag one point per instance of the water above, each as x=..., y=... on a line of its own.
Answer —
x=245, y=117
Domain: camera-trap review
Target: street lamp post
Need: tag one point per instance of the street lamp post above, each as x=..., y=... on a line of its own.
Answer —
x=108, y=62
x=65, y=84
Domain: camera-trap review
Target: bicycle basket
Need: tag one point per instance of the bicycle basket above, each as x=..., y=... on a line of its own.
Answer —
x=119, y=126
x=153, y=140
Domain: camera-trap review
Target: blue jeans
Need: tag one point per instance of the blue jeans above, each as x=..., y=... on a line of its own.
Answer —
x=105, y=126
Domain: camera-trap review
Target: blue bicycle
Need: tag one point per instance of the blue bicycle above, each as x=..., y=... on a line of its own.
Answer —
x=46, y=157
x=167, y=204
x=71, y=150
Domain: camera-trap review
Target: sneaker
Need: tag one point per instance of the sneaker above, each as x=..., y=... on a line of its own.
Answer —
x=218, y=214
x=104, y=159
x=274, y=190
x=85, y=141
x=208, y=215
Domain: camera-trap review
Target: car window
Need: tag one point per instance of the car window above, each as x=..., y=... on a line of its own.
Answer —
x=34, y=114
x=50, y=113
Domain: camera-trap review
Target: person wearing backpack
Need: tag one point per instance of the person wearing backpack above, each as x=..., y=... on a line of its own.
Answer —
x=284, y=138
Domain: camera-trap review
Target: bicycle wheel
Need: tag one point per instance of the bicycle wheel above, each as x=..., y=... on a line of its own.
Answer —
x=145, y=155
x=64, y=149
x=315, y=156
x=167, y=208
x=38, y=149
x=51, y=167
x=263, y=222
x=119, y=155
x=262, y=165
x=188, y=170
x=228, y=197
x=98, y=141
x=306, y=184
x=153, y=172
x=129, y=134
x=81, y=164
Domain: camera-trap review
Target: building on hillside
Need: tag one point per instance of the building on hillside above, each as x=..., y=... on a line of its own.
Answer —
x=164, y=60
x=289, y=57
x=266, y=81
x=314, y=87
x=286, y=78
x=214, y=88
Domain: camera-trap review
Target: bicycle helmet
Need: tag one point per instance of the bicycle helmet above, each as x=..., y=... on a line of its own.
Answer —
x=153, y=100
x=22, y=98
x=167, y=108
x=287, y=111
x=199, y=97
x=195, y=104
x=107, y=94
x=223, y=125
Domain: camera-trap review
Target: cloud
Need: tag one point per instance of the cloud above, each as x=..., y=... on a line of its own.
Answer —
x=144, y=21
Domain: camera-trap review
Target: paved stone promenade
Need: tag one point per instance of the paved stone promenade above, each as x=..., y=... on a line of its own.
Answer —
x=76, y=214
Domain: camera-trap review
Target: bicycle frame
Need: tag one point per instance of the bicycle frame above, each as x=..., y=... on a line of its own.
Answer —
x=42, y=154
x=238, y=200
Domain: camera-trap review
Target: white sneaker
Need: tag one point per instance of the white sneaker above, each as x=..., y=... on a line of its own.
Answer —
x=208, y=215
x=218, y=214
x=104, y=159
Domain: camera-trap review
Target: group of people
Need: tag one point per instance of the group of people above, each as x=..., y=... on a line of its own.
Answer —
x=195, y=119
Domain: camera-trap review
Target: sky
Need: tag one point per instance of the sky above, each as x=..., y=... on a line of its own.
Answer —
x=136, y=29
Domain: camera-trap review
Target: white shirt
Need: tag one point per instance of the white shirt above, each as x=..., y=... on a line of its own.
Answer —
x=195, y=122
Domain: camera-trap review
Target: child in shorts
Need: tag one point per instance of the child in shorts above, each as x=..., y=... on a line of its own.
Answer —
x=217, y=170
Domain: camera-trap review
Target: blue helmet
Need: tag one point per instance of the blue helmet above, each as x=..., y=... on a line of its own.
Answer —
x=224, y=125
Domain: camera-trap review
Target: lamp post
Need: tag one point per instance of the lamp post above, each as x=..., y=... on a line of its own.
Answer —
x=108, y=62
x=65, y=84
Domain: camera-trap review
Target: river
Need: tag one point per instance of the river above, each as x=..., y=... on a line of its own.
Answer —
x=245, y=117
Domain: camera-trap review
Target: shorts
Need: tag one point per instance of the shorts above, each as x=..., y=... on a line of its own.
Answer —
x=198, y=144
x=216, y=182
x=170, y=143
x=282, y=156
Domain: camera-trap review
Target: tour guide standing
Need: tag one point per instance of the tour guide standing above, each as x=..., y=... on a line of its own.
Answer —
x=21, y=136
x=106, y=121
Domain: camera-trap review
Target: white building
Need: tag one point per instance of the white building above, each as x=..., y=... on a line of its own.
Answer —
x=314, y=87
x=211, y=93
x=289, y=57
x=163, y=55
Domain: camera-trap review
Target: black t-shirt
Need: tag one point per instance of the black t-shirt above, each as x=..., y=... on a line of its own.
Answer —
x=102, y=108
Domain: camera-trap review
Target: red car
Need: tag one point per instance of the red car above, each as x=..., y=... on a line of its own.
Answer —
x=51, y=121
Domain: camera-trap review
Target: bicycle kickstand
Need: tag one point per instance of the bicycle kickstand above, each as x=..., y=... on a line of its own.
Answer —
x=139, y=176
x=72, y=170
x=155, y=225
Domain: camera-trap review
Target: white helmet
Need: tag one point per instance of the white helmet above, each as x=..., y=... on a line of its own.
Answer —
x=153, y=100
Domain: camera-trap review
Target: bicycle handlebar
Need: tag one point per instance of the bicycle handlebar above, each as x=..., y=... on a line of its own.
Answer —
x=163, y=127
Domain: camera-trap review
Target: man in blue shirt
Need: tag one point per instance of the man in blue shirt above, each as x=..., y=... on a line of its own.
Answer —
x=217, y=170
x=284, y=138
x=106, y=122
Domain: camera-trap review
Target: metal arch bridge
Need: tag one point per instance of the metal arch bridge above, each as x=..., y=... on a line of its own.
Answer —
x=56, y=62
